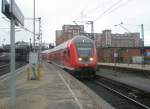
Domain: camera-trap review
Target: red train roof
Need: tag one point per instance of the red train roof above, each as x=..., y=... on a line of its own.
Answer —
x=65, y=44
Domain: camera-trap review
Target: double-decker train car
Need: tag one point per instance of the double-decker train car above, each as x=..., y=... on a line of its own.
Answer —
x=77, y=54
x=45, y=55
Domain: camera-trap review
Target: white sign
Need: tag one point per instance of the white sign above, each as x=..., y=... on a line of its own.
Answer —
x=115, y=55
x=15, y=11
x=5, y=8
x=33, y=58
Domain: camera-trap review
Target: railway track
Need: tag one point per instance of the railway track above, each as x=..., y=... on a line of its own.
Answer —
x=5, y=67
x=117, y=95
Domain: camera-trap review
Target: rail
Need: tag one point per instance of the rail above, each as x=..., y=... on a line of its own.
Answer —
x=121, y=94
x=5, y=65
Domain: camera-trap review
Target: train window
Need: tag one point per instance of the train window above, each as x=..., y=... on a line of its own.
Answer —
x=84, y=49
x=84, y=45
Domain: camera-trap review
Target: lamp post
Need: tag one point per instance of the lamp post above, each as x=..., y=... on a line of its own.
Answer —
x=39, y=35
x=142, y=36
x=40, y=39
x=92, y=28
x=34, y=25
x=3, y=42
x=121, y=25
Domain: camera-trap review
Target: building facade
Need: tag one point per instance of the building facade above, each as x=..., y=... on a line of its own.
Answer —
x=107, y=39
x=104, y=39
x=68, y=32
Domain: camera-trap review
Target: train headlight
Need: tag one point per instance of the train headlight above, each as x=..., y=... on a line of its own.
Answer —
x=91, y=59
x=80, y=59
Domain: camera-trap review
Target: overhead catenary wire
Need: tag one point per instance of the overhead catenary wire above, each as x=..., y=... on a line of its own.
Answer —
x=90, y=11
x=96, y=8
x=26, y=29
x=101, y=7
x=110, y=10
x=22, y=27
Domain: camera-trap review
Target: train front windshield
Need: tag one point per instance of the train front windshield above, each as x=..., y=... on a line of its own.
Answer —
x=85, y=49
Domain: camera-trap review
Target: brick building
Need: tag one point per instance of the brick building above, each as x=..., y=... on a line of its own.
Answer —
x=68, y=32
x=124, y=54
x=104, y=39
x=107, y=39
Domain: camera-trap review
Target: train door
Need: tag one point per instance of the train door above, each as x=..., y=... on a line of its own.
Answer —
x=62, y=57
x=66, y=56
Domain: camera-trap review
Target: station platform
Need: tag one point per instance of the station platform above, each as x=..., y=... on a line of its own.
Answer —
x=131, y=79
x=125, y=65
x=56, y=90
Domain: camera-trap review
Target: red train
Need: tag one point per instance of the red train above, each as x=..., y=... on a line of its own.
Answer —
x=77, y=54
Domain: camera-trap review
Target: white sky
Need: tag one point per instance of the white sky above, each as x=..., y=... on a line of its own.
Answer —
x=56, y=13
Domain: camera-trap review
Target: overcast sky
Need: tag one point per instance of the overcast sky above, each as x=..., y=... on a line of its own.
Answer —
x=104, y=13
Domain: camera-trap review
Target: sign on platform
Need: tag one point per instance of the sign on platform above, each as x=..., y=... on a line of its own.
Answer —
x=33, y=61
x=5, y=8
x=14, y=11
x=115, y=55
x=33, y=58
